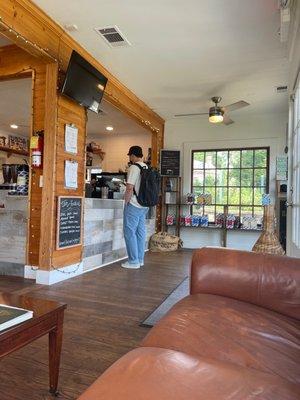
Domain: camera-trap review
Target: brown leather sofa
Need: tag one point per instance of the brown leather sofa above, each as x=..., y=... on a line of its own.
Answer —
x=236, y=336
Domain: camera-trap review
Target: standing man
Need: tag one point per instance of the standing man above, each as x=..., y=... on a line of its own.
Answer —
x=134, y=213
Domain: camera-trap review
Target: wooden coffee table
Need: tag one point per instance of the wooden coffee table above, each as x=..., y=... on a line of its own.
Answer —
x=47, y=318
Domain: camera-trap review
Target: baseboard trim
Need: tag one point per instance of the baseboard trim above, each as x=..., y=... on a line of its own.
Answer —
x=59, y=274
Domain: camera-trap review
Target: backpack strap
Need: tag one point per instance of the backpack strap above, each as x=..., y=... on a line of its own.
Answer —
x=141, y=169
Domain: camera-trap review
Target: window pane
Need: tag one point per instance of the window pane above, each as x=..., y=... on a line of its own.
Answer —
x=198, y=178
x=234, y=196
x=260, y=177
x=246, y=211
x=222, y=175
x=210, y=211
x=198, y=210
x=246, y=194
x=260, y=158
x=234, y=177
x=259, y=213
x=247, y=158
x=234, y=159
x=219, y=210
x=212, y=191
x=210, y=159
x=198, y=160
x=258, y=192
x=247, y=177
x=198, y=189
x=210, y=177
x=222, y=159
x=234, y=210
x=221, y=196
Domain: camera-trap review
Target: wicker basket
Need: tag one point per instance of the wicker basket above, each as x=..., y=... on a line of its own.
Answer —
x=268, y=241
x=162, y=242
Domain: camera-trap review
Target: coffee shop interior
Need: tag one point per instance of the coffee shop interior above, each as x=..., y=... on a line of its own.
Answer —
x=109, y=135
x=212, y=310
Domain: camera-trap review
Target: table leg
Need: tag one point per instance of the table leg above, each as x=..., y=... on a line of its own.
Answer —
x=55, y=343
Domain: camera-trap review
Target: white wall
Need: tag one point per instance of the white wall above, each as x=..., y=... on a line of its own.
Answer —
x=197, y=133
x=116, y=148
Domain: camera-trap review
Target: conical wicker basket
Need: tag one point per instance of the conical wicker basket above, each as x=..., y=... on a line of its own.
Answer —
x=268, y=241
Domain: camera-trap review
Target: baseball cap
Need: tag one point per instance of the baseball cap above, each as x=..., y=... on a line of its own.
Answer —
x=135, y=151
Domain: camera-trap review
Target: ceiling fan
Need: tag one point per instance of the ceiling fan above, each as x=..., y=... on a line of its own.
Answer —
x=219, y=114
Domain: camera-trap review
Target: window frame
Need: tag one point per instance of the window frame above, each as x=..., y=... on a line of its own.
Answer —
x=240, y=186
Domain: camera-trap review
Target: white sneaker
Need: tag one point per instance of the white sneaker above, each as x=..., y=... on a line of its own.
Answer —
x=141, y=264
x=130, y=266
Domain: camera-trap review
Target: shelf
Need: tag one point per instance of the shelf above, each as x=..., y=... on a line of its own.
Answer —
x=14, y=151
x=16, y=196
x=217, y=227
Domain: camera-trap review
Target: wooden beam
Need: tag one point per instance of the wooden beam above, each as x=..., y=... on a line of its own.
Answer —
x=49, y=169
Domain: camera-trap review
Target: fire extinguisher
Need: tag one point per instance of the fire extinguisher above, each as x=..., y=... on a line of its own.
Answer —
x=36, y=145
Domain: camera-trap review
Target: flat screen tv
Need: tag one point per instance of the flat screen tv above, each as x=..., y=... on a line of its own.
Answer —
x=84, y=83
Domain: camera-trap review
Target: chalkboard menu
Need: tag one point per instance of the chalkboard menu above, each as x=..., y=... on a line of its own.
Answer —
x=170, y=162
x=69, y=217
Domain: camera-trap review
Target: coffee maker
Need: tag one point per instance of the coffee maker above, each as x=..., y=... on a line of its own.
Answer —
x=16, y=178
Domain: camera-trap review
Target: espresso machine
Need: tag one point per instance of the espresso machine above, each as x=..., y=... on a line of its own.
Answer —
x=16, y=178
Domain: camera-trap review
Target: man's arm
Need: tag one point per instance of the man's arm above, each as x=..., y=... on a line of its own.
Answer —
x=128, y=192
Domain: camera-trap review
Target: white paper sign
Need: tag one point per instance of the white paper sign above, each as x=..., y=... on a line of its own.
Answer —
x=281, y=167
x=71, y=135
x=71, y=170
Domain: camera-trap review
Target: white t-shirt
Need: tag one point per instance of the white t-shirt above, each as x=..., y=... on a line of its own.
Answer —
x=134, y=178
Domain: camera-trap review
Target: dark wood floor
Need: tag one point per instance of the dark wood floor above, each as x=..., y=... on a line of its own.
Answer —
x=102, y=320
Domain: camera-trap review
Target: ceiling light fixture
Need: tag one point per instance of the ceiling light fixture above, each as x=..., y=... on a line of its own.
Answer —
x=215, y=115
x=14, y=126
x=109, y=128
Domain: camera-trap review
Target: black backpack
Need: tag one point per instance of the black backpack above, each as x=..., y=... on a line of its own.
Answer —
x=150, y=185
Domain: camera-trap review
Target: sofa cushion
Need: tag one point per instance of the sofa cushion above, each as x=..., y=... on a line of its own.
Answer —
x=152, y=374
x=225, y=329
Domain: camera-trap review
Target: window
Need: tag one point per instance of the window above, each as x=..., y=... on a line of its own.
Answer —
x=233, y=177
x=296, y=169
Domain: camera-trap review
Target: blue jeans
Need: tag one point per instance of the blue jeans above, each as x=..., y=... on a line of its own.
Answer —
x=134, y=226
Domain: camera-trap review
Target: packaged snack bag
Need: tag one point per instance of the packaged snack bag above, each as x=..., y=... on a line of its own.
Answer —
x=170, y=219
x=219, y=220
x=182, y=220
x=204, y=220
x=188, y=220
x=195, y=220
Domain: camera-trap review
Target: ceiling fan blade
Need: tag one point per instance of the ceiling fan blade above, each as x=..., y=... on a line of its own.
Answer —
x=227, y=120
x=235, y=106
x=189, y=115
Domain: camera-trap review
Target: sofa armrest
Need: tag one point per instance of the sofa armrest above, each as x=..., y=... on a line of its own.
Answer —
x=268, y=281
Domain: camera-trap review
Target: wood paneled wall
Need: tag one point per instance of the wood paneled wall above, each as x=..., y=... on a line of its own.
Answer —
x=69, y=113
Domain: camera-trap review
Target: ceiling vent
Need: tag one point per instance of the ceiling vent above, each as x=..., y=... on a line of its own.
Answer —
x=113, y=36
x=281, y=89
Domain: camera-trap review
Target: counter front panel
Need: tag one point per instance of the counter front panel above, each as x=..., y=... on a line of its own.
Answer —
x=103, y=232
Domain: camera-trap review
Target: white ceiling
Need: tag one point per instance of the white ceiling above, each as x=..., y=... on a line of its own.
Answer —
x=15, y=108
x=122, y=124
x=184, y=52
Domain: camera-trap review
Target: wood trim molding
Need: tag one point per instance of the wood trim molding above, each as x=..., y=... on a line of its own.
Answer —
x=49, y=168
